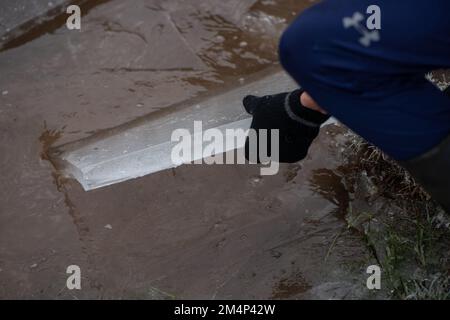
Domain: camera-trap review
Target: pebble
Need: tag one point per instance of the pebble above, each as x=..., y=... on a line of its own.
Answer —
x=5, y=92
x=108, y=226
x=220, y=38
x=256, y=179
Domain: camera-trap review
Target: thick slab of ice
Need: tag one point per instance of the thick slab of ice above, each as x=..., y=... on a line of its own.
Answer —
x=146, y=147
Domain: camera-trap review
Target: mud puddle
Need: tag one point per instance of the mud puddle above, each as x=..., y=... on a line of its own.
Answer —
x=194, y=232
x=129, y=54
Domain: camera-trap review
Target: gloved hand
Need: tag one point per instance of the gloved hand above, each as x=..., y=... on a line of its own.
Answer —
x=298, y=126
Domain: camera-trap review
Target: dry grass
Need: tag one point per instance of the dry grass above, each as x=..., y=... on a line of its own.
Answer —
x=393, y=180
x=408, y=232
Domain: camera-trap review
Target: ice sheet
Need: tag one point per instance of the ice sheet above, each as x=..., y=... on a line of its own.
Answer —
x=147, y=147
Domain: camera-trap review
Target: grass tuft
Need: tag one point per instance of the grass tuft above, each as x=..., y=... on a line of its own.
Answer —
x=406, y=230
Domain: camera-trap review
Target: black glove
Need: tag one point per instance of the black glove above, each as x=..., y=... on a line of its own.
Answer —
x=298, y=126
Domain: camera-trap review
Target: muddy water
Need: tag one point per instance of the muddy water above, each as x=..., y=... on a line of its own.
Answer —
x=129, y=54
x=193, y=232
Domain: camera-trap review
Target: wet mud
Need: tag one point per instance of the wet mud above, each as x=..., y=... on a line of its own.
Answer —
x=213, y=232
x=46, y=24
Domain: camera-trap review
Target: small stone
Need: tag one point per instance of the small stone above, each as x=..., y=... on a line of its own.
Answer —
x=140, y=105
x=5, y=92
x=33, y=266
x=108, y=226
x=220, y=38
x=243, y=44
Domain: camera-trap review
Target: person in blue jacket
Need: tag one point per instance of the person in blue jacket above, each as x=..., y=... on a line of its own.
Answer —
x=370, y=75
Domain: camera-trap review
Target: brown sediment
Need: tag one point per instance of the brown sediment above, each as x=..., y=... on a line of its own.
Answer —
x=52, y=21
x=331, y=186
x=83, y=231
x=291, y=286
x=292, y=172
x=47, y=139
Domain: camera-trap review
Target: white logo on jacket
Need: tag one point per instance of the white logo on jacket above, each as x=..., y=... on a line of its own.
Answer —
x=370, y=31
